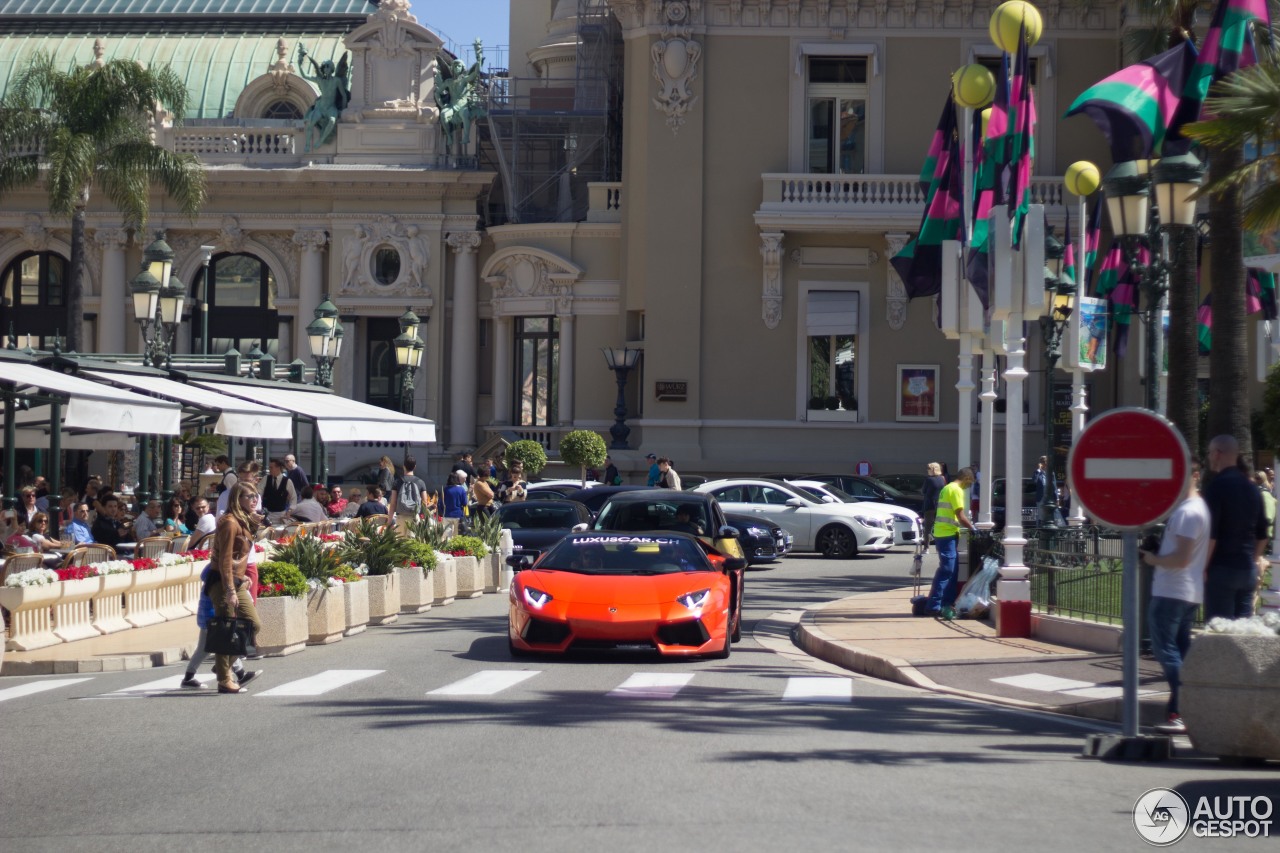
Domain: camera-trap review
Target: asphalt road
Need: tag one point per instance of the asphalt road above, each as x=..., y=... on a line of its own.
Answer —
x=613, y=754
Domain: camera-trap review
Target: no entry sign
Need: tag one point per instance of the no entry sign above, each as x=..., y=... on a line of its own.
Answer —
x=1129, y=468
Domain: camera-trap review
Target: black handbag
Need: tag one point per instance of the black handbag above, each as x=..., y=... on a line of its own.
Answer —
x=230, y=636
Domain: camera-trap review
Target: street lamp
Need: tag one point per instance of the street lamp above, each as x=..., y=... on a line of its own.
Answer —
x=324, y=333
x=1059, y=291
x=206, y=255
x=1129, y=188
x=158, y=300
x=621, y=360
x=409, y=349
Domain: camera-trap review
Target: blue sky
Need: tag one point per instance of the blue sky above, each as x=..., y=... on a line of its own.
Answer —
x=465, y=20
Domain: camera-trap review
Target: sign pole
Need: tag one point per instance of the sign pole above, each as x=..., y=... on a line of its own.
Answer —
x=1130, y=605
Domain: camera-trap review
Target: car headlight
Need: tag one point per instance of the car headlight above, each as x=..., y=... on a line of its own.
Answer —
x=905, y=519
x=759, y=533
x=869, y=522
x=536, y=598
x=694, y=600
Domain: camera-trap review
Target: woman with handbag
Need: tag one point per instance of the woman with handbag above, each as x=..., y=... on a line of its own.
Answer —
x=229, y=591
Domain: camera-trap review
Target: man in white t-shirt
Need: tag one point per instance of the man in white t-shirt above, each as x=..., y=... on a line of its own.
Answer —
x=1178, y=590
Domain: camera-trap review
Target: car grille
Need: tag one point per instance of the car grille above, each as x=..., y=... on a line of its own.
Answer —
x=684, y=634
x=612, y=645
x=538, y=631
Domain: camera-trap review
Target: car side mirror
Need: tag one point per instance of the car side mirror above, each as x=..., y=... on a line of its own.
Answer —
x=580, y=526
x=734, y=564
x=519, y=561
x=794, y=502
x=728, y=532
x=827, y=499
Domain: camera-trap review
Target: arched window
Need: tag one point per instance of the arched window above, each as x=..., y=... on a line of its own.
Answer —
x=537, y=369
x=33, y=294
x=242, y=305
x=286, y=110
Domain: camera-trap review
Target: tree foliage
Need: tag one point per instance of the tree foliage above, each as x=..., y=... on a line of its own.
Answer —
x=528, y=452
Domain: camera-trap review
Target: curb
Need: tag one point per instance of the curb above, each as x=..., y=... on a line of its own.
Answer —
x=817, y=643
x=114, y=663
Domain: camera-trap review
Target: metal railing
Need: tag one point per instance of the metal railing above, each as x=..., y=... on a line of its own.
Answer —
x=1076, y=571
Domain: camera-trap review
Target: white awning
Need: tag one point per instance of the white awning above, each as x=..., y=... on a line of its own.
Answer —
x=94, y=407
x=339, y=420
x=39, y=439
x=235, y=416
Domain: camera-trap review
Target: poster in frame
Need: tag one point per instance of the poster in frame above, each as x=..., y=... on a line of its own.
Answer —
x=917, y=392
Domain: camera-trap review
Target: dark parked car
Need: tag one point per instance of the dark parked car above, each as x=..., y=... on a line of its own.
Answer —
x=761, y=540
x=538, y=524
x=866, y=488
x=911, y=484
x=595, y=498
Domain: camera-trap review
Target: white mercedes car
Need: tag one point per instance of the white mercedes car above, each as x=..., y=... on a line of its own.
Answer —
x=835, y=529
x=906, y=523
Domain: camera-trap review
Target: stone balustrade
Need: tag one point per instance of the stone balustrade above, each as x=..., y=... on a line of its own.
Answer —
x=869, y=195
x=237, y=144
x=604, y=202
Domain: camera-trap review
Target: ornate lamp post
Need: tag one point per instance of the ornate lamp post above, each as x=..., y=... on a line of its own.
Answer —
x=1128, y=187
x=206, y=255
x=324, y=333
x=409, y=349
x=1053, y=325
x=621, y=360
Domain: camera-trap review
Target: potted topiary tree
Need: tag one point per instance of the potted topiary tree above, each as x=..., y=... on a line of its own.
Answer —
x=583, y=448
x=282, y=608
x=530, y=453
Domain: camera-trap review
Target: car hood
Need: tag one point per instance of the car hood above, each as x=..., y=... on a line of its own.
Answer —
x=874, y=509
x=618, y=589
x=539, y=539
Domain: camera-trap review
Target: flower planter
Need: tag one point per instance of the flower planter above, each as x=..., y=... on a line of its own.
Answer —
x=284, y=625
x=444, y=579
x=384, y=598
x=108, y=604
x=356, y=601
x=142, y=600
x=72, y=619
x=326, y=615
x=416, y=590
x=30, y=623
x=493, y=572
x=470, y=577
x=1230, y=698
x=170, y=594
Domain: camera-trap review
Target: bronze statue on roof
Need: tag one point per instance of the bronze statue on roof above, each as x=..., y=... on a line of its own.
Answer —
x=457, y=93
x=335, y=93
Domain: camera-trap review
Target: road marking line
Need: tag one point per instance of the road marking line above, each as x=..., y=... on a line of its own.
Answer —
x=485, y=683
x=818, y=689
x=324, y=682
x=163, y=685
x=1045, y=683
x=37, y=687
x=652, y=685
x=1128, y=469
x=1102, y=692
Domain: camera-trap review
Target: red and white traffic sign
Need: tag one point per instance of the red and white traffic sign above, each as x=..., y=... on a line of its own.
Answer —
x=1129, y=468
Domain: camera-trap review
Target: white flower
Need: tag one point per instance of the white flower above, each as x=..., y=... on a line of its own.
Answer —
x=32, y=577
x=1254, y=626
x=112, y=567
x=362, y=570
x=168, y=559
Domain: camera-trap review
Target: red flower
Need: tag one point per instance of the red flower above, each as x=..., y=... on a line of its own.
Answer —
x=75, y=573
x=142, y=565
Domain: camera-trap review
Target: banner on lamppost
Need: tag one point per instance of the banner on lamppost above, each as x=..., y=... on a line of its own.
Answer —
x=1061, y=430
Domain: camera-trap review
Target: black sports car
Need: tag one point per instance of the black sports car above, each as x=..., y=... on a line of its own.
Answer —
x=537, y=525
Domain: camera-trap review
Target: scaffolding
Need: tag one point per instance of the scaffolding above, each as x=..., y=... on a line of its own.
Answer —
x=549, y=138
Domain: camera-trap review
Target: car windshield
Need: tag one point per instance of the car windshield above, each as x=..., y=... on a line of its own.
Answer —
x=841, y=495
x=648, y=514
x=888, y=490
x=625, y=555
x=520, y=516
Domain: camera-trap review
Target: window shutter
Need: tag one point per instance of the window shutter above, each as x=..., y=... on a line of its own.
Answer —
x=832, y=312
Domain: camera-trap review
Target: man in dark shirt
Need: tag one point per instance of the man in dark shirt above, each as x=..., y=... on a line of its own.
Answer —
x=1237, y=534
x=464, y=465
x=108, y=529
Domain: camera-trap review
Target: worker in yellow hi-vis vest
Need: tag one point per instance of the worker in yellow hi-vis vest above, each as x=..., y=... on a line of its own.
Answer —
x=953, y=501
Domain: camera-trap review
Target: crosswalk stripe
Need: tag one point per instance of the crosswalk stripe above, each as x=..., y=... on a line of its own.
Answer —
x=37, y=687
x=652, y=685
x=1042, y=682
x=164, y=685
x=330, y=679
x=485, y=683
x=818, y=689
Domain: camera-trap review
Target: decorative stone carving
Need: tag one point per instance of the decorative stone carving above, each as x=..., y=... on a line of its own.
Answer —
x=909, y=8
x=111, y=239
x=231, y=238
x=793, y=12
x=286, y=251
x=675, y=65
x=310, y=239
x=771, y=251
x=358, y=251
x=896, y=298
x=99, y=51
x=882, y=12
x=463, y=242
x=389, y=15
x=34, y=234
x=824, y=12
x=735, y=10
x=282, y=69
x=524, y=274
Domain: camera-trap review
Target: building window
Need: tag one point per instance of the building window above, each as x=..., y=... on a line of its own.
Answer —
x=383, y=378
x=837, y=113
x=386, y=265
x=285, y=110
x=33, y=291
x=831, y=329
x=242, y=305
x=537, y=369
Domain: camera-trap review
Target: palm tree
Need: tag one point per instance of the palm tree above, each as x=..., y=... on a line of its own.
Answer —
x=89, y=128
x=1246, y=109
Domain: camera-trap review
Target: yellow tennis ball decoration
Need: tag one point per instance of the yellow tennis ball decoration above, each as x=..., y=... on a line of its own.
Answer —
x=973, y=86
x=1008, y=18
x=1082, y=178
x=986, y=120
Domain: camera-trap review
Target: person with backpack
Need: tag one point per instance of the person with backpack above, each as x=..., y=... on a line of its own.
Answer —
x=407, y=491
